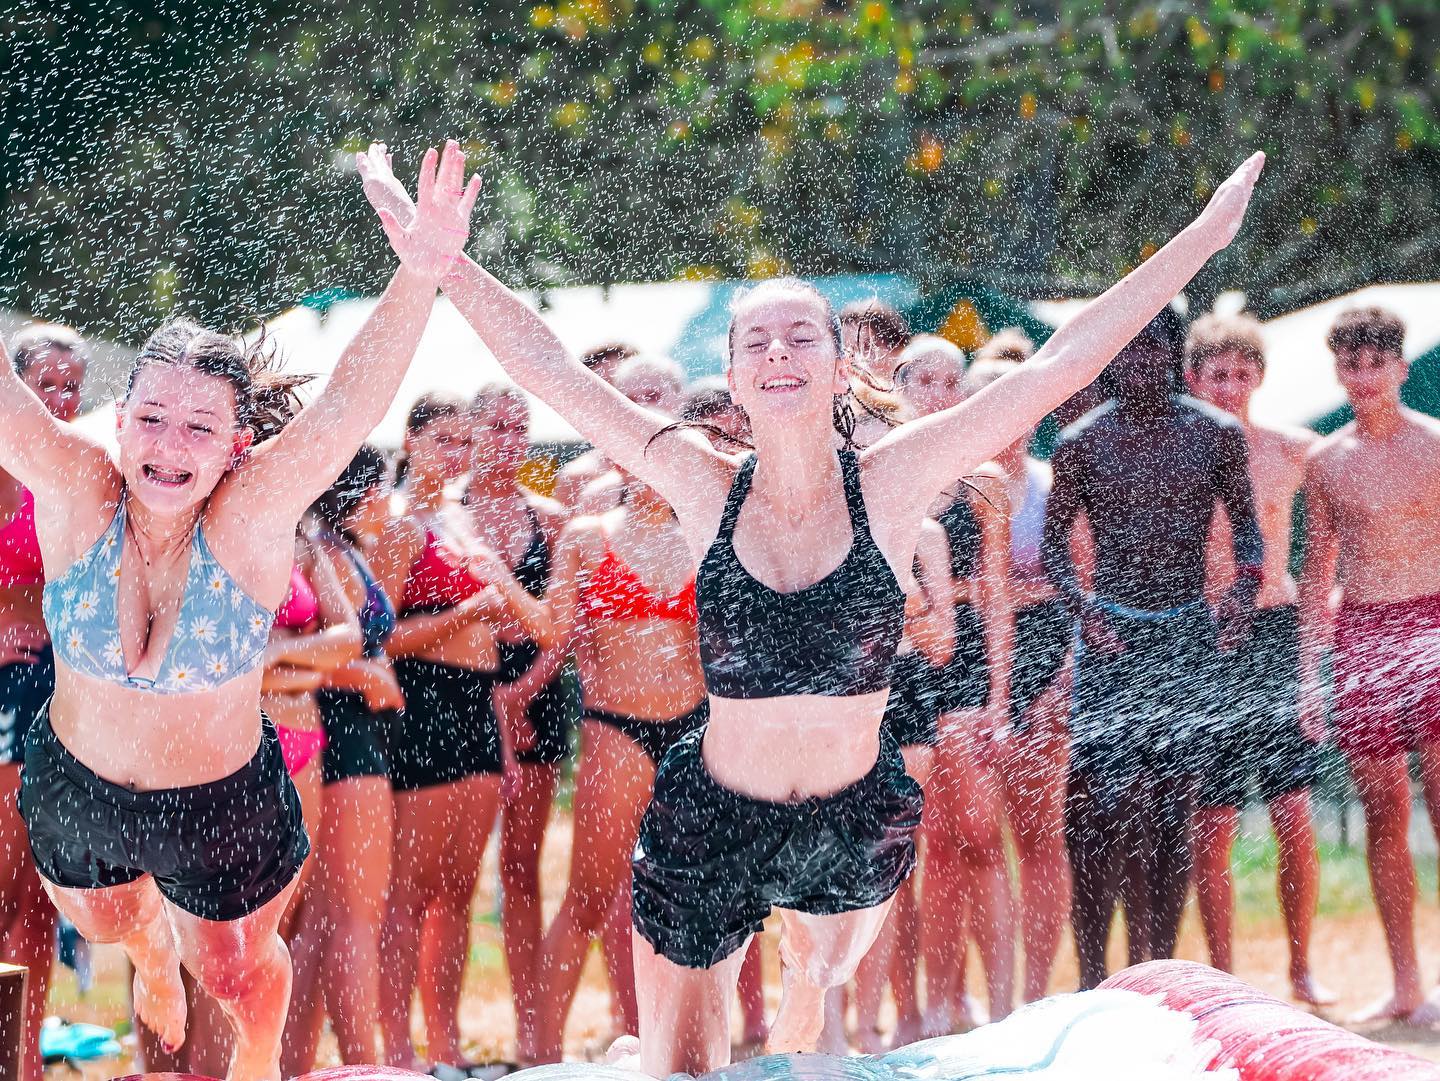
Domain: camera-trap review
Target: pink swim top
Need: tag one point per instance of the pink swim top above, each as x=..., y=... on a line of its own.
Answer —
x=19, y=547
x=301, y=609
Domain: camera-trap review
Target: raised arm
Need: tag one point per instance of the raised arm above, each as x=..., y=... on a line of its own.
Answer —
x=287, y=473
x=54, y=460
x=677, y=465
x=923, y=457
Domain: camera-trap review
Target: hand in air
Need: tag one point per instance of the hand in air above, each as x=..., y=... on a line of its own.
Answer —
x=1221, y=218
x=434, y=238
x=380, y=184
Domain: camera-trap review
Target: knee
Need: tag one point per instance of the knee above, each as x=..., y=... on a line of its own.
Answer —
x=232, y=972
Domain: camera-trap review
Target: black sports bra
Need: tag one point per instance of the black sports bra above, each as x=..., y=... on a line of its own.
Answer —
x=963, y=531
x=835, y=637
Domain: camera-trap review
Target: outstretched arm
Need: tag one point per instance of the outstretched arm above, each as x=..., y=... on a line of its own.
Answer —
x=287, y=473
x=678, y=465
x=920, y=459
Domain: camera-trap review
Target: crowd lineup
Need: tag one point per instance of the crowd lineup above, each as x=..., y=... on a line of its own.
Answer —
x=1100, y=657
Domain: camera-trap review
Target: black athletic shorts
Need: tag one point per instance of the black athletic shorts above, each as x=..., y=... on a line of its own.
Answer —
x=964, y=683
x=1256, y=727
x=1145, y=709
x=218, y=850
x=1043, y=633
x=355, y=736
x=24, y=690
x=913, y=707
x=710, y=863
x=552, y=713
x=447, y=730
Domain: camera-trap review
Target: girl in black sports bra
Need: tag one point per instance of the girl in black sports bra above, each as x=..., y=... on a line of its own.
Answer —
x=790, y=797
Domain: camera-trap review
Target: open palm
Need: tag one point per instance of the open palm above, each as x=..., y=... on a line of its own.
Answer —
x=430, y=242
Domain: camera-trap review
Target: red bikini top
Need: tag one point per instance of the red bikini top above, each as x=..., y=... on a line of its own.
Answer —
x=614, y=591
x=302, y=607
x=19, y=547
x=438, y=577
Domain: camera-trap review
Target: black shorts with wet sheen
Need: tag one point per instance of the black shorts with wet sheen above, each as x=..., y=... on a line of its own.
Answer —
x=711, y=863
x=355, y=736
x=447, y=730
x=219, y=850
x=552, y=713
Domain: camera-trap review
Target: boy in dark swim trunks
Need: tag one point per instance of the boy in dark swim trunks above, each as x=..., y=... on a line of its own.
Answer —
x=1258, y=734
x=1146, y=470
x=1372, y=490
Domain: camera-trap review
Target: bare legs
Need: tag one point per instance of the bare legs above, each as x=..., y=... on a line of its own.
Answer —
x=27, y=918
x=337, y=944
x=522, y=832
x=1033, y=769
x=241, y=963
x=1384, y=790
x=966, y=845
x=440, y=836
x=616, y=778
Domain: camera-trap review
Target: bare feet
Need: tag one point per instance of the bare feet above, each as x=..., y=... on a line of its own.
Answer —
x=1399, y=1007
x=801, y=1016
x=871, y=1040
x=1303, y=988
x=908, y=1030
x=1427, y=1014
x=160, y=998
x=624, y=1054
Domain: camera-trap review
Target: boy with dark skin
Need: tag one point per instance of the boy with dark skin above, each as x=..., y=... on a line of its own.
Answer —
x=1146, y=470
x=1259, y=736
x=1371, y=492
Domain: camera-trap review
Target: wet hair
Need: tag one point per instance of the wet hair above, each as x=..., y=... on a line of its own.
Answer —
x=924, y=344
x=606, y=353
x=1011, y=343
x=334, y=506
x=884, y=325
x=427, y=409
x=265, y=398
x=1376, y=327
x=39, y=338
x=1213, y=336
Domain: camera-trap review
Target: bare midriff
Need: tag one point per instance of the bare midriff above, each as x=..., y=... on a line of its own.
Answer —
x=474, y=646
x=1390, y=558
x=144, y=741
x=794, y=747
x=647, y=668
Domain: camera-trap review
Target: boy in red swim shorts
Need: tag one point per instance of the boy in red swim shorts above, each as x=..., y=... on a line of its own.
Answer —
x=1372, y=492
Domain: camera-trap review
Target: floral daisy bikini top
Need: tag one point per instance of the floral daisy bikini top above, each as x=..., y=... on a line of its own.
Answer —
x=221, y=632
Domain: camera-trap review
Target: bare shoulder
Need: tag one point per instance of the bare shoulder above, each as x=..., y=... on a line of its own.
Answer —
x=1291, y=441
x=1422, y=425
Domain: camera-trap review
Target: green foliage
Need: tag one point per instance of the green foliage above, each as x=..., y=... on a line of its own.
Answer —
x=161, y=155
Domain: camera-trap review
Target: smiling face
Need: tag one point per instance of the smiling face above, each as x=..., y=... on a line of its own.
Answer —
x=784, y=360
x=1371, y=375
x=55, y=375
x=178, y=436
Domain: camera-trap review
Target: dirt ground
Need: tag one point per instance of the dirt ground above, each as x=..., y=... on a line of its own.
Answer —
x=1348, y=957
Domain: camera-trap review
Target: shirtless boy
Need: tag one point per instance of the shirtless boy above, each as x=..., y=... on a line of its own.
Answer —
x=1259, y=734
x=1372, y=491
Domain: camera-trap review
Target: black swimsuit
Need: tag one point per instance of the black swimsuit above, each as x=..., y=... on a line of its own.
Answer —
x=711, y=863
x=552, y=712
